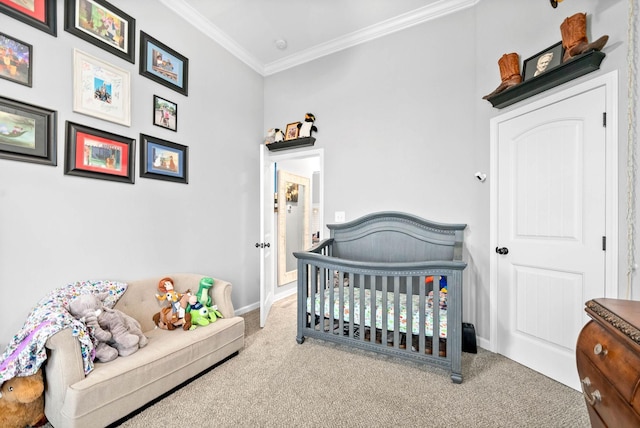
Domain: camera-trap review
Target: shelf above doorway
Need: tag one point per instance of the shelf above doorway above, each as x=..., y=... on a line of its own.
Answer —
x=292, y=144
x=573, y=68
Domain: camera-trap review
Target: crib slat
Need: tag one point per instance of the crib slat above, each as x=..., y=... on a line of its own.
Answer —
x=372, y=320
x=422, y=300
x=341, y=302
x=435, y=340
x=363, y=304
x=351, y=305
x=385, y=313
x=409, y=316
x=396, y=312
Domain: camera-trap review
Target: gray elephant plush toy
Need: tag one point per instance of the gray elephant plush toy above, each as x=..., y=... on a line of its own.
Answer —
x=117, y=333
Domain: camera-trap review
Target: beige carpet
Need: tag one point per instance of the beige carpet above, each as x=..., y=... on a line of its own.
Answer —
x=275, y=382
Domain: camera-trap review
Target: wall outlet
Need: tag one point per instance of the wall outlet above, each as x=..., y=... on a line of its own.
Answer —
x=339, y=217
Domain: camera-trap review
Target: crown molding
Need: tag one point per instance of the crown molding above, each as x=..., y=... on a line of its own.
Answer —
x=398, y=23
x=195, y=18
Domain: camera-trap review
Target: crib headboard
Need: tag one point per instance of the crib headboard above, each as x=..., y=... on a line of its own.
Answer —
x=392, y=237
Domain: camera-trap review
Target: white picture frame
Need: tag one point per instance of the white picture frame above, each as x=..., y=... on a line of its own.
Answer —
x=100, y=89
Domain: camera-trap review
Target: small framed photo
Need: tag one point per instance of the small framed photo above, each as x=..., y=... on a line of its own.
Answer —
x=27, y=133
x=103, y=25
x=93, y=153
x=16, y=60
x=542, y=61
x=40, y=14
x=162, y=64
x=163, y=160
x=100, y=89
x=165, y=113
x=292, y=131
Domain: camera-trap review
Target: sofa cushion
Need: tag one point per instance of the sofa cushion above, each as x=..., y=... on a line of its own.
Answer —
x=166, y=353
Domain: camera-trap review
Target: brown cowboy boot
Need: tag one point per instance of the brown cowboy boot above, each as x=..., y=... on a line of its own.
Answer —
x=509, y=73
x=574, y=37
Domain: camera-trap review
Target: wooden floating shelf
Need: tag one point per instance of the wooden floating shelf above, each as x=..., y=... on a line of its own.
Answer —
x=575, y=67
x=292, y=144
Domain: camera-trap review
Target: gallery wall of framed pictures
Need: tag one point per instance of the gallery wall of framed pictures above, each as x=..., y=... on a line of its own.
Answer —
x=101, y=89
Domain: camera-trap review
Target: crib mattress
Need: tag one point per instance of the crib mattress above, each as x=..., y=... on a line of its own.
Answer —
x=415, y=323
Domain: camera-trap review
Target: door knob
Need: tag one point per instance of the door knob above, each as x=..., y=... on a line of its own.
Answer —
x=502, y=250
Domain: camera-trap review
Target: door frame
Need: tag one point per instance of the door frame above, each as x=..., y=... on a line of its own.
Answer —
x=610, y=82
x=275, y=158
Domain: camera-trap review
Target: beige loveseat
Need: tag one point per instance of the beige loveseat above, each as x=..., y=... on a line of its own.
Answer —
x=115, y=389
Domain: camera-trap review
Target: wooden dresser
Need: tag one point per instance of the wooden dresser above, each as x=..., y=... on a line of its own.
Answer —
x=608, y=358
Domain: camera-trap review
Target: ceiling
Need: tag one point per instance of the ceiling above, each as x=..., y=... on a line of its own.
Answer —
x=249, y=29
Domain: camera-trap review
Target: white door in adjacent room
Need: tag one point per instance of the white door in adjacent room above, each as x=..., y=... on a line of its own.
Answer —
x=551, y=230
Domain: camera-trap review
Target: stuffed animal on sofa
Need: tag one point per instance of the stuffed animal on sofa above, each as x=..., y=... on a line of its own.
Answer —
x=22, y=402
x=114, y=330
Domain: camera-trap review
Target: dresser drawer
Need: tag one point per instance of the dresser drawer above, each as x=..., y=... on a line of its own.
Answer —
x=610, y=405
x=615, y=362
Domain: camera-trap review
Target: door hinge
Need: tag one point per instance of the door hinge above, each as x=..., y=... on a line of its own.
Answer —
x=604, y=243
x=604, y=119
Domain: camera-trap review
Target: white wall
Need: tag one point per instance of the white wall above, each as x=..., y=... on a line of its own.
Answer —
x=56, y=229
x=404, y=125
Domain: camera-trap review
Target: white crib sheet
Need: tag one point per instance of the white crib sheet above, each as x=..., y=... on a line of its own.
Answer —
x=390, y=310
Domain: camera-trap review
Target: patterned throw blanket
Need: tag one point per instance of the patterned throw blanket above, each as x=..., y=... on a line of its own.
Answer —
x=26, y=352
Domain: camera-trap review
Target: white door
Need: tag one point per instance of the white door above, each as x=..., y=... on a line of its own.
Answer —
x=265, y=245
x=551, y=224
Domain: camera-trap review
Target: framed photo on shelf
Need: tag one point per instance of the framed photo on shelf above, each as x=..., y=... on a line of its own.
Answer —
x=16, y=60
x=103, y=25
x=93, y=153
x=40, y=14
x=163, y=160
x=100, y=89
x=165, y=113
x=542, y=61
x=162, y=64
x=292, y=131
x=27, y=132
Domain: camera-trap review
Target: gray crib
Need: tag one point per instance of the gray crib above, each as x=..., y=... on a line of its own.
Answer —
x=388, y=282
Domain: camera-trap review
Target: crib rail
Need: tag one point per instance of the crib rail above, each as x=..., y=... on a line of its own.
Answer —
x=397, y=295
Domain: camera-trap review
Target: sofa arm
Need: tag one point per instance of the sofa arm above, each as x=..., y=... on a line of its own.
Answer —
x=64, y=367
x=221, y=295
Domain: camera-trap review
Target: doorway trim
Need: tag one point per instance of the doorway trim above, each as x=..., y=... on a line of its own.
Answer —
x=610, y=82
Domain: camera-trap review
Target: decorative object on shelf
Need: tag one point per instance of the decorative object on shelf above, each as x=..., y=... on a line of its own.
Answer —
x=279, y=135
x=165, y=113
x=509, y=65
x=554, y=3
x=27, y=132
x=575, y=67
x=271, y=136
x=163, y=160
x=291, y=144
x=574, y=37
x=93, y=153
x=100, y=89
x=292, y=130
x=543, y=61
x=307, y=127
x=162, y=64
x=40, y=14
x=103, y=25
x=16, y=60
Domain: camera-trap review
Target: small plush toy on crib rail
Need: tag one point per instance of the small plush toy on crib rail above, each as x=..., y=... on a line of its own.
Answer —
x=22, y=402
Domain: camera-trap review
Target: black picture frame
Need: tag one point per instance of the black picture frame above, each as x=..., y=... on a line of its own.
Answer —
x=530, y=65
x=16, y=60
x=163, y=65
x=165, y=113
x=42, y=17
x=93, y=153
x=28, y=133
x=163, y=160
x=117, y=29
